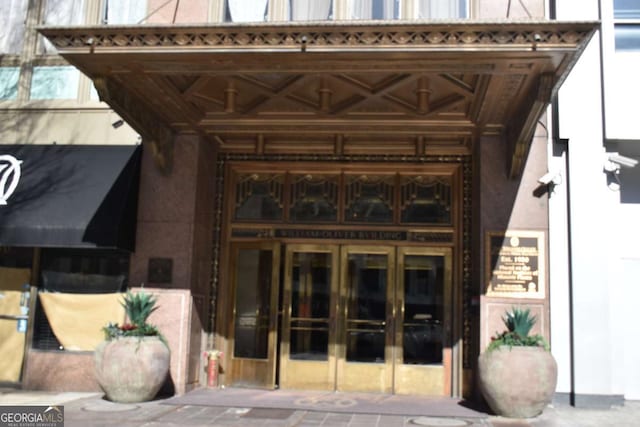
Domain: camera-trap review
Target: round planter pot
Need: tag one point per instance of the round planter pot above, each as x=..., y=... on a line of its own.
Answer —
x=132, y=369
x=517, y=382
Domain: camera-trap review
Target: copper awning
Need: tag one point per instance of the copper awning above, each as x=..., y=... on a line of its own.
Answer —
x=434, y=86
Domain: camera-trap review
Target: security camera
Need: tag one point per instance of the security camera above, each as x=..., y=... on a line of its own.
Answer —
x=627, y=162
x=550, y=178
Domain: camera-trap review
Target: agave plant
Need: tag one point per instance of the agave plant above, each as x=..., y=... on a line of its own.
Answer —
x=138, y=307
x=519, y=323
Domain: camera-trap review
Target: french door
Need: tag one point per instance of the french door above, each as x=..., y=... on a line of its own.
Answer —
x=353, y=318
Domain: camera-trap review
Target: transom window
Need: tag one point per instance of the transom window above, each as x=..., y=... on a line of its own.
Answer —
x=349, y=198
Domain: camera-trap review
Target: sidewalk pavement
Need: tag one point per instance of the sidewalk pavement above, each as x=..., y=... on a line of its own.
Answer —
x=90, y=409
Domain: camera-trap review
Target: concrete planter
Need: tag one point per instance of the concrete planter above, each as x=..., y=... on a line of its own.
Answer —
x=517, y=382
x=132, y=369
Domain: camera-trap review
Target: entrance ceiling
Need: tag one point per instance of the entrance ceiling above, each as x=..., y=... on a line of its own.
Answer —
x=335, y=88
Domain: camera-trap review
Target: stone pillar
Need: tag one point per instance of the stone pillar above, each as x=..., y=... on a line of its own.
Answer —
x=518, y=206
x=174, y=251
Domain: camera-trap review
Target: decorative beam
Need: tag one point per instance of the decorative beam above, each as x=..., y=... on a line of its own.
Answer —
x=520, y=134
x=443, y=36
x=151, y=127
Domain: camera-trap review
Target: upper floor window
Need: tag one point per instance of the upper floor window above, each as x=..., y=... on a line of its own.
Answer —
x=59, y=82
x=13, y=14
x=440, y=9
x=9, y=82
x=246, y=10
x=626, y=15
x=305, y=10
x=61, y=12
x=124, y=11
x=323, y=10
x=375, y=9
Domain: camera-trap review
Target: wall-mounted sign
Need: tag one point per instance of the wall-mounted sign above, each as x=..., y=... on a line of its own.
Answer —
x=9, y=176
x=515, y=264
x=428, y=236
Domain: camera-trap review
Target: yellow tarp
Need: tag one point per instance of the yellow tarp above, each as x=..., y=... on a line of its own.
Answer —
x=11, y=341
x=77, y=319
x=12, y=279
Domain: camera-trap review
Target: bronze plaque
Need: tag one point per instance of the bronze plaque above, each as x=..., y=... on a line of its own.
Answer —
x=160, y=270
x=515, y=264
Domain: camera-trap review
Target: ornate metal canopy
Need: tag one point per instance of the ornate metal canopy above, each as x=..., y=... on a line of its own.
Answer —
x=339, y=87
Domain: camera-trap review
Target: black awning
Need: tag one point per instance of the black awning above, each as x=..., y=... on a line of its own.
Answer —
x=69, y=195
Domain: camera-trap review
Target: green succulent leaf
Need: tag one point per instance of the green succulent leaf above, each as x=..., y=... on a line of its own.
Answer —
x=138, y=307
x=519, y=323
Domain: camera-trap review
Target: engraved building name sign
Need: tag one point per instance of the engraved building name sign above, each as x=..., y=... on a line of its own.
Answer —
x=515, y=264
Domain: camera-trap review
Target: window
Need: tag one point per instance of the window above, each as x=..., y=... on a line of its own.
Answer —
x=347, y=197
x=369, y=199
x=441, y=9
x=306, y=10
x=374, y=9
x=54, y=83
x=627, y=24
x=259, y=197
x=61, y=12
x=9, y=82
x=246, y=10
x=314, y=198
x=13, y=14
x=76, y=271
x=124, y=11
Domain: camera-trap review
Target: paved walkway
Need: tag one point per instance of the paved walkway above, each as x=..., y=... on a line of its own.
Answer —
x=90, y=409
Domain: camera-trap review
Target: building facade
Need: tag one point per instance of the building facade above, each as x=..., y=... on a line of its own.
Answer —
x=593, y=267
x=323, y=191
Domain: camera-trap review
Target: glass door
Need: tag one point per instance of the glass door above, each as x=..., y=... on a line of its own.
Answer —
x=354, y=318
x=255, y=275
x=423, y=318
x=308, y=343
x=365, y=356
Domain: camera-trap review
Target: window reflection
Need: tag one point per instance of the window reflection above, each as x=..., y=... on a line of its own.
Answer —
x=423, y=309
x=314, y=198
x=259, y=197
x=310, y=297
x=9, y=82
x=425, y=200
x=54, y=83
x=366, y=311
x=252, y=303
x=627, y=25
x=369, y=199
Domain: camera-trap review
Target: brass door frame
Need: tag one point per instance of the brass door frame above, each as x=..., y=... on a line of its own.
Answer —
x=256, y=372
x=336, y=373
x=308, y=374
x=360, y=376
x=424, y=379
